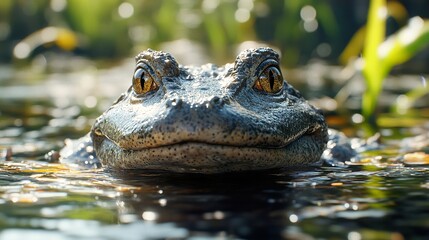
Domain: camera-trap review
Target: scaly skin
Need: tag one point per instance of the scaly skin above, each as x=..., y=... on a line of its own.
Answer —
x=209, y=119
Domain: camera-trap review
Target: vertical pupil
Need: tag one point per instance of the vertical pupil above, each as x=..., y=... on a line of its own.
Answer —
x=142, y=80
x=271, y=78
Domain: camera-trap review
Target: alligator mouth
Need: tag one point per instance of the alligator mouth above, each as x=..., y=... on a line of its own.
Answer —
x=303, y=148
x=313, y=130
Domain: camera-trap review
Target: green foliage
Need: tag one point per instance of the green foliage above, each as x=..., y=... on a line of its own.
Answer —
x=374, y=75
x=219, y=26
x=95, y=20
x=381, y=56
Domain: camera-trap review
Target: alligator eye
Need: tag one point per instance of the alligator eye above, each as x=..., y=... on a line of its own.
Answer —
x=143, y=82
x=270, y=81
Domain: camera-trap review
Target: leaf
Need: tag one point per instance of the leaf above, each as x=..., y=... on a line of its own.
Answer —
x=406, y=101
x=373, y=71
x=403, y=45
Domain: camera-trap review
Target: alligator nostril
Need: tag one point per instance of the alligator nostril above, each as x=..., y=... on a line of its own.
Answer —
x=175, y=102
x=216, y=101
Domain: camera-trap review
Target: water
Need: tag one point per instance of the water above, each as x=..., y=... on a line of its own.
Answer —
x=385, y=196
x=360, y=202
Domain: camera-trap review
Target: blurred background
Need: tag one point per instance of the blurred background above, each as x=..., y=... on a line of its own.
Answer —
x=114, y=29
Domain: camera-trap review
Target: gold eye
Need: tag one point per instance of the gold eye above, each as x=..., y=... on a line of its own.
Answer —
x=143, y=82
x=270, y=81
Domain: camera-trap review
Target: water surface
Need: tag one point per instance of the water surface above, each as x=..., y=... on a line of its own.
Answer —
x=384, y=196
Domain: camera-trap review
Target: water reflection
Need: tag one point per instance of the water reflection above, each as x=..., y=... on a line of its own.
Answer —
x=237, y=204
x=326, y=202
x=270, y=205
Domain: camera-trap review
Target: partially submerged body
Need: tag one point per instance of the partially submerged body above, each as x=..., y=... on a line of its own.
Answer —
x=208, y=119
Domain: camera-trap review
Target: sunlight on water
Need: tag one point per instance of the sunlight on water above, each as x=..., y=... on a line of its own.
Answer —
x=67, y=229
x=382, y=192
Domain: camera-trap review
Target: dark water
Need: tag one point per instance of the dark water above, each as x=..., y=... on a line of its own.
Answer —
x=385, y=196
x=360, y=202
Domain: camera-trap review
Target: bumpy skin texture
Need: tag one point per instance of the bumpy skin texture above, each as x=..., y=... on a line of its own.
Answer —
x=209, y=119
